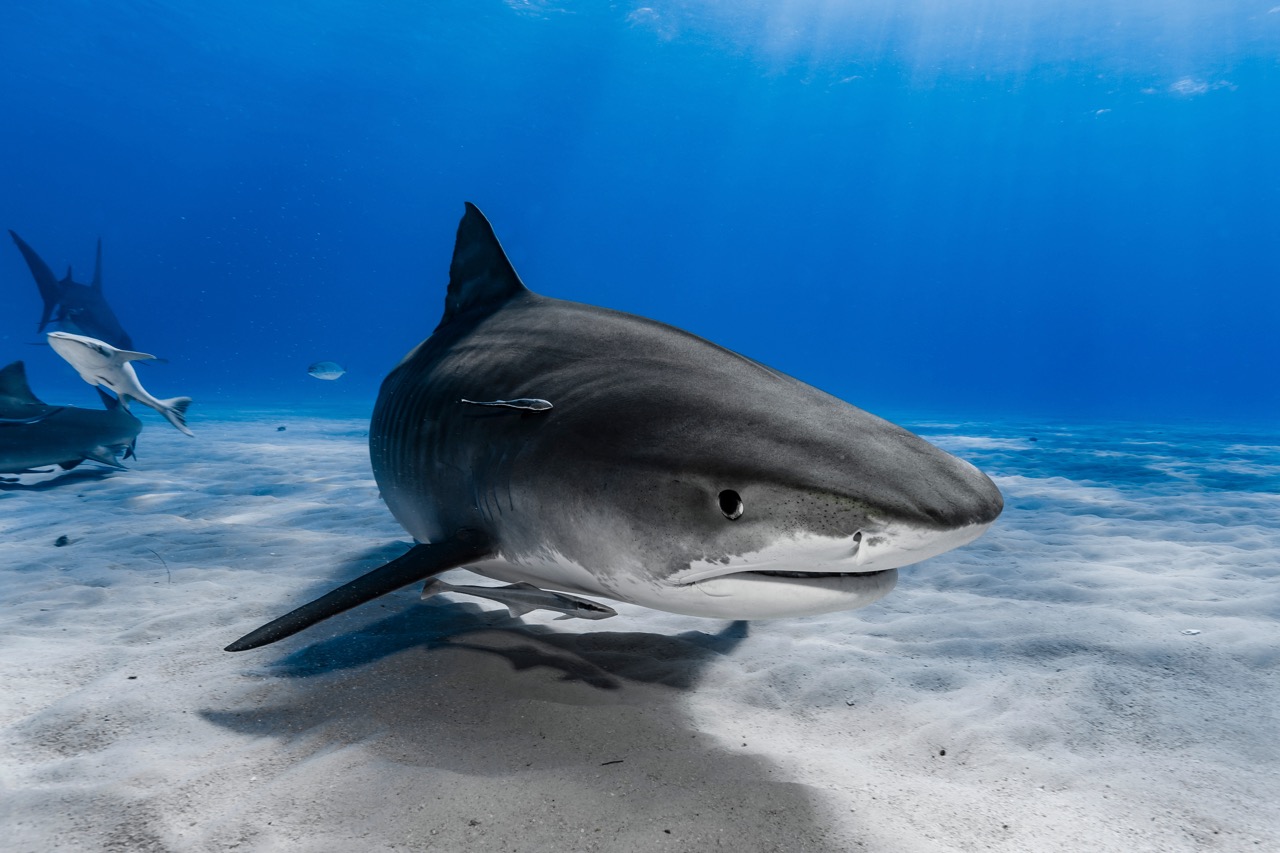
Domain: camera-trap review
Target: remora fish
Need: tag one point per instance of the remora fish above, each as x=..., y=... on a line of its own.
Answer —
x=80, y=307
x=35, y=435
x=665, y=471
x=521, y=598
x=99, y=363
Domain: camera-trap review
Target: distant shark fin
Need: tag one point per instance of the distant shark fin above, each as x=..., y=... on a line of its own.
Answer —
x=418, y=563
x=46, y=282
x=13, y=382
x=480, y=277
x=97, y=269
x=103, y=456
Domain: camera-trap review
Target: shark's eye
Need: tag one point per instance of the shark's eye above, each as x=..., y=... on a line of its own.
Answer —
x=731, y=504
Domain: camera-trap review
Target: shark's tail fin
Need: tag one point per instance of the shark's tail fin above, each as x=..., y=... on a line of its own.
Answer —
x=46, y=281
x=175, y=412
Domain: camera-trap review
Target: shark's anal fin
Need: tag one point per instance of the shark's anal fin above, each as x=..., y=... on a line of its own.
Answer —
x=420, y=562
x=527, y=404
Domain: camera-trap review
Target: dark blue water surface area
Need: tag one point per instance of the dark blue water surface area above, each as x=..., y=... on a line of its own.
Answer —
x=978, y=208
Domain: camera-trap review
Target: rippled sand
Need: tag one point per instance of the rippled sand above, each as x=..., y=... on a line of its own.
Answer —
x=1097, y=673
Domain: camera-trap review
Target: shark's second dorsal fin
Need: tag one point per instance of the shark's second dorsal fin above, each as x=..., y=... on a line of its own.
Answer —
x=13, y=384
x=480, y=277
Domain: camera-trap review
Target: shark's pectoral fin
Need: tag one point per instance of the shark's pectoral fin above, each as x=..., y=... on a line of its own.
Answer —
x=127, y=355
x=420, y=562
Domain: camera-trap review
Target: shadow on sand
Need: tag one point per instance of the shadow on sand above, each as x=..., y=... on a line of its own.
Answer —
x=12, y=483
x=523, y=737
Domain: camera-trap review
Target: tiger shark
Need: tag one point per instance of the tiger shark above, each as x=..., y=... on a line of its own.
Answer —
x=36, y=435
x=586, y=451
x=81, y=308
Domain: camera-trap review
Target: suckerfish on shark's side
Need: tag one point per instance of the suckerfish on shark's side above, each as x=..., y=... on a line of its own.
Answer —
x=80, y=308
x=35, y=435
x=99, y=363
x=522, y=598
x=663, y=470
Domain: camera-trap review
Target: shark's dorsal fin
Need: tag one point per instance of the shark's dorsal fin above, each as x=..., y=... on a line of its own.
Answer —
x=13, y=383
x=68, y=278
x=480, y=277
x=97, y=269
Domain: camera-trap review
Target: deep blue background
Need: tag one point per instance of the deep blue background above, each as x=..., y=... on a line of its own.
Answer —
x=969, y=208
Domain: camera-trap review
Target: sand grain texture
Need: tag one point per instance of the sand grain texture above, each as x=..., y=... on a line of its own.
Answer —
x=1034, y=691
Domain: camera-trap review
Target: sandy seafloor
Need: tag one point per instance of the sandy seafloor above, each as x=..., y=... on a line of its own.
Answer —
x=1037, y=690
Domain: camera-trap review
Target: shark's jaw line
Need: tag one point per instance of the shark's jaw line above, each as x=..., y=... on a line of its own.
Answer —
x=796, y=576
x=892, y=546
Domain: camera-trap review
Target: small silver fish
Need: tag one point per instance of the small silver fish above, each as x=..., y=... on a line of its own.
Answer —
x=520, y=598
x=326, y=370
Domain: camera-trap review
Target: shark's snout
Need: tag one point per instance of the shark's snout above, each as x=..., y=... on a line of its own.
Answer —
x=899, y=545
x=952, y=494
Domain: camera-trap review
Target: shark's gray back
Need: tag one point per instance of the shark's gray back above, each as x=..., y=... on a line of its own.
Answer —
x=626, y=392
x=34, y=434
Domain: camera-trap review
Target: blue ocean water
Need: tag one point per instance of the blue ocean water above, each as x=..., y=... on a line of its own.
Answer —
x=978, y=208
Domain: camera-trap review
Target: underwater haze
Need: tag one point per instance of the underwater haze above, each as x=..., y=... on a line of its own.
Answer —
x=1040, y=233
x=970, y=208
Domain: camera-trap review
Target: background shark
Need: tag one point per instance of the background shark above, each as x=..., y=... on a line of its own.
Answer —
x=99, y=363
x=34, y=434
x=624, y=458
x=80, y=308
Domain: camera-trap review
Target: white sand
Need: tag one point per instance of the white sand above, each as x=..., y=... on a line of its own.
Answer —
x=1048, y=660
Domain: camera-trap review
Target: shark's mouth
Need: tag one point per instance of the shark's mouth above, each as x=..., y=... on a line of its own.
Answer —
x=821, y=558
x=811, y=575
x=747, y=593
